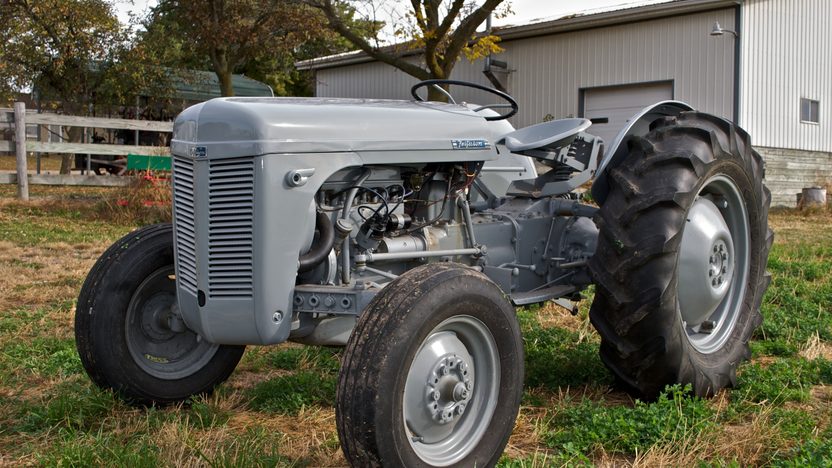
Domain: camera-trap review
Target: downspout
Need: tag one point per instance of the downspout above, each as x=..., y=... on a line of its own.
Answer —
x=737, y=62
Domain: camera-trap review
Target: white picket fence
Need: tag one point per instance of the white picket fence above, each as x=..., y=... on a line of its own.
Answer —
x=18, y=118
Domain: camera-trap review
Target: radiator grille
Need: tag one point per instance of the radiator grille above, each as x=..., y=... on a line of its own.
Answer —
x=185, y=226
x=231, y=228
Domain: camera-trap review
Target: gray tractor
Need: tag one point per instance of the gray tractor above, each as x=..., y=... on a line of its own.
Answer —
x=409, y=231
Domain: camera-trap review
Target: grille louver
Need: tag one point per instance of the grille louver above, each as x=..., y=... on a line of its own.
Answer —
x=231, y=228
x=183, y=209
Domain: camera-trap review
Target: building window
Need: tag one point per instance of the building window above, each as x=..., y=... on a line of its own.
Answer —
x=809, y=111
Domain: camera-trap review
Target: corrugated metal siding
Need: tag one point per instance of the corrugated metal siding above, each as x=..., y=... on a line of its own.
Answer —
x=548, y=72
x=786, y=54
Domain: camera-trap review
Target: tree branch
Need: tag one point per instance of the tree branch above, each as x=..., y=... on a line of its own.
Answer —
x=336, y=22
x=460, y=37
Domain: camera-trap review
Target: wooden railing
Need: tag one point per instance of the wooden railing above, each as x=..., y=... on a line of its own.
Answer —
x=19, y=117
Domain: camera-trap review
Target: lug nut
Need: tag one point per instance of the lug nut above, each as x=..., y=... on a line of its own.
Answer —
x=460, y=409
x=435, y=395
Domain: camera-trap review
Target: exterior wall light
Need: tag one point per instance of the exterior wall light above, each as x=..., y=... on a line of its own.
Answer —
x=718, y=31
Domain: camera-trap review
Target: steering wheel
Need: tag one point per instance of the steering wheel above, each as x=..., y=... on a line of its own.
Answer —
x=512, y=104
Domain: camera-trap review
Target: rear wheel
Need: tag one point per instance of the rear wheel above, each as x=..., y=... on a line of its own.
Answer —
x=682, y=251
x=129, y=334
x=432, y=374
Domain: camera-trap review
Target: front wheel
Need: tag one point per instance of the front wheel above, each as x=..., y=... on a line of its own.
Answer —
x=128, y=333
x=681, y=257
x=432, y=374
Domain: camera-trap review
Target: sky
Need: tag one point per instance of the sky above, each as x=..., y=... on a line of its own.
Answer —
x=525, y=11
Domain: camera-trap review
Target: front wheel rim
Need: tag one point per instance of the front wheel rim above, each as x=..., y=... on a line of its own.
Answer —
x=714, y=263
x=157, y=344
x=451, y=390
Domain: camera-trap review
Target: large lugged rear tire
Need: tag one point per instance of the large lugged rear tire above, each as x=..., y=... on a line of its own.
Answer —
x=127, y=335
x=432, y=374
x=681, y=257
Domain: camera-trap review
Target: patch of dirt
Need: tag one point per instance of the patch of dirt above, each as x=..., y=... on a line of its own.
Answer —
x=246, y=379
x=310, y=435
x=764, y=361
x=40, y=275
x=526, y=437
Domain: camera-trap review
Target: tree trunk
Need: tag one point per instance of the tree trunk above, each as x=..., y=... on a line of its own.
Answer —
x=226, y=85
x=434, y=94
x=73, y=135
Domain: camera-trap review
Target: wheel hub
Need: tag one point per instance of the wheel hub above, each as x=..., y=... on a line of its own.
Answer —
x=451, y=390
x=719, y=263
x=157, y=338
x=447, y=398
x=713, y=265
x=705, y=262
x=439, y=387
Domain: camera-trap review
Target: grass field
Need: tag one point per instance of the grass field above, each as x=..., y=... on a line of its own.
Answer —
x=277, y=408
x=49, y=163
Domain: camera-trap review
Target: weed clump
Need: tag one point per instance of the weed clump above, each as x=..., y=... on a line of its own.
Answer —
x=147, y=200
x=591, y=426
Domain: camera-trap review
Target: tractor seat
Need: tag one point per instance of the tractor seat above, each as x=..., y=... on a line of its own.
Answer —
x=545, y=138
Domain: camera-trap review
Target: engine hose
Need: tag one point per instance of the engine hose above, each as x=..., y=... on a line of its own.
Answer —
x=321, y=248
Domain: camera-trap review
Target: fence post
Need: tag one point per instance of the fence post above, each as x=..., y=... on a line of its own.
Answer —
x=20, y=150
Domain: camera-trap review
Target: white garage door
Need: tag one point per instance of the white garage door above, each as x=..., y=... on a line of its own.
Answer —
x=610, y=108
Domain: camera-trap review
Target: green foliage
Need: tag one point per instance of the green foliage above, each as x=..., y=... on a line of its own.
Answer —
x=70, y=405
x=289, y=393
x=73, y=52
x=590, y=425
x=313, y=358
x=255, y=447
x=811, y=452
x=556, y=357
x=80, y=449
x=785, y=379
x=205, y=414
x=793, y=424
x=568, y=457
x=262, y=40
x=44, y=356
x=797, y=304
x=33, y=225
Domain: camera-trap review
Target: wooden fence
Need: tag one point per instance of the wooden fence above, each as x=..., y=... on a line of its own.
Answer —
x=18, y=118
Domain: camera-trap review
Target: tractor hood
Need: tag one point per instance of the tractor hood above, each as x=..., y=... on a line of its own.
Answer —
x=234, y=127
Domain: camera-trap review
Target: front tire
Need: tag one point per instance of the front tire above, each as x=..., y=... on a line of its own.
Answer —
x=432, y=374
x=681, y=257
x=127, y=335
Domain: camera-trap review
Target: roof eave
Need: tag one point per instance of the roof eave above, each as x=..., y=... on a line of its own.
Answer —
x=643, y=13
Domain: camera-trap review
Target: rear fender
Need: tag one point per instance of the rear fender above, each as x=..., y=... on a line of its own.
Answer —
x=638, y=125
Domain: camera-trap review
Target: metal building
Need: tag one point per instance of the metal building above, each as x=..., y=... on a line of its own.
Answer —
x=773, y=77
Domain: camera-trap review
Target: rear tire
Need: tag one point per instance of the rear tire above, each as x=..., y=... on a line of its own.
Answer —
x=123, y=328
x=681, y=257
x=432, y=374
